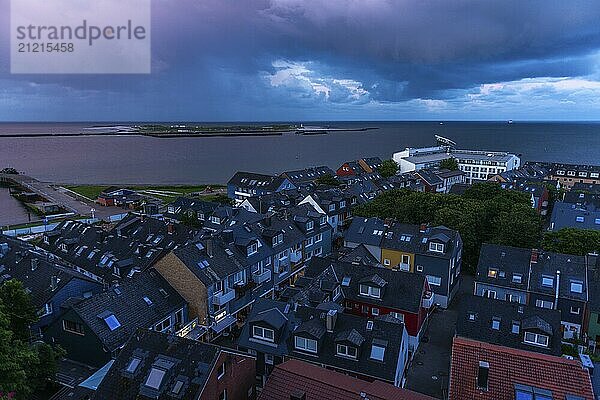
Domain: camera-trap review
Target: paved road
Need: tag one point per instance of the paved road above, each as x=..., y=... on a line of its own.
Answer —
x=430, y=367
x=61, y=196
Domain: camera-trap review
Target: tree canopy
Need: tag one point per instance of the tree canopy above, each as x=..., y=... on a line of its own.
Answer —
x=328, y=180
x=24, y=367
x=572, y=241
x=449, y=163
x=485, y=213
x=388, y=168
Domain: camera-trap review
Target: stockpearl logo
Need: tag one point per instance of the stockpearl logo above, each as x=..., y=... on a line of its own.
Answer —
x=80, y=36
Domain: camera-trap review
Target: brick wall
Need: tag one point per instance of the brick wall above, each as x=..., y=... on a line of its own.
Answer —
x=186, y=284
x=238, y=381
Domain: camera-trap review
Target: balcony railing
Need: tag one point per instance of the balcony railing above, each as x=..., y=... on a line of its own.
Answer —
x=187, y=328
x=295, y=256
x=221, y=298
x=404, y=267
x=261, y=277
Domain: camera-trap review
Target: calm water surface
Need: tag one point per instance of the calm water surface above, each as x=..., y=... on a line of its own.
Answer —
x=132, y=159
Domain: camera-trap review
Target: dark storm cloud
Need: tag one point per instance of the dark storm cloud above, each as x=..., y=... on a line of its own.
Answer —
x=219, y=56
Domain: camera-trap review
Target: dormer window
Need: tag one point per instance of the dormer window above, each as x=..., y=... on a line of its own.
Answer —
x=347, y=351
x=516, y=327
x=547, y=281
x=436, y=247
x=323, y=220
x=332, y=207
x=305, y=344
x=576, y=286
x=370, y=291
x=517, y=278
x=342, y=204
x=496, y=323
x=536, y=339
x=215, y=220
x=253, y=248
x=258, y=332
x=309, y=225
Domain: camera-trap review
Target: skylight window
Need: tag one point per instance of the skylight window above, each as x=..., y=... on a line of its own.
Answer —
x=147, y=300
x=547, y=281
x=112, y=322
x=155, y=378
x=496, y=324
x=346, y=281
x=377, y=352
x=133, y=364
x=177, y=387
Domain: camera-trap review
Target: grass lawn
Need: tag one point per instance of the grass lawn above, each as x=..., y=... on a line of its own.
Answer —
x=165, y=193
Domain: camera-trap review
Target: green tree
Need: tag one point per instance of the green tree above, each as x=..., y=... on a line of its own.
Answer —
x=328, y=180
x=572, y=241
x=388, y=168
x=24, y=367
x=20, y=312
x=449, y=163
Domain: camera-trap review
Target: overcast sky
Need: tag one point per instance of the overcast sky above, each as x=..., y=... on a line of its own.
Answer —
x=221, y=60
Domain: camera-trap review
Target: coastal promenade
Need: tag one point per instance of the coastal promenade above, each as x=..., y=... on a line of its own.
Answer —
x=59, y=196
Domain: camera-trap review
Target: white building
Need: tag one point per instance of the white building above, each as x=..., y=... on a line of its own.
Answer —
x=477, y=165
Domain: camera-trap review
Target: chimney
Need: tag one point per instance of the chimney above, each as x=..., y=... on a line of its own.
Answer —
x=557, y=287
x=209, y=247
x=534, y=256
x=298, y=395
x=330, y=320
x=34, y=263
x=423, y=228
x=170, y=228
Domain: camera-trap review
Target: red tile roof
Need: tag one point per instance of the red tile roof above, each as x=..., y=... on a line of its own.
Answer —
x=508, y=366
x=319, y=384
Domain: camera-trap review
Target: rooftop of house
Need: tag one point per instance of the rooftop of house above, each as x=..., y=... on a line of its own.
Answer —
x=368, y=231
x=505, y=324
x=131, y=245
x=115, y=314
x=436, y=154
x=358, y=255
x=154, y=365
x=586, y=187
x=418, y=239
x=186, y=204
x=504, y=266
x=486, y=371
x=307, y=175
x=316, y=383
x=429, y=176
x=42, y=278
x=398, y=289
x=534, y=188
x=307, y=322
x=252, y=180
x=562, y=168
x=576, y=215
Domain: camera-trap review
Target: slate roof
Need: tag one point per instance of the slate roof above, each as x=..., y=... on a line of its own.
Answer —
x=412, y=239
x=358, y=255
x=192, y=363
x=40, y=276
x=368, y=231
x=297, y=377
x=574, y=215
x=134, y=243
x=129, y=307
x=594, y=289
x=402, y=290
x=571, y=268
x=307, y=175
x=310, y=322
x=510, y=260
x=508, y=367
x=250, y=180
x=475, y=315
